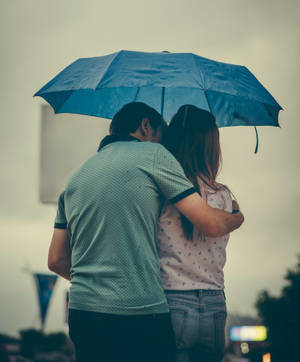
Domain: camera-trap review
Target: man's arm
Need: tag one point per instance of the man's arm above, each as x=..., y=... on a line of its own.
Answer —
x=59, y=257
x=212, y=222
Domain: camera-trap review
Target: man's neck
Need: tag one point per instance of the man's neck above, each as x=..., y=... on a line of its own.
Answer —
x=137, y=135
x=116, y=138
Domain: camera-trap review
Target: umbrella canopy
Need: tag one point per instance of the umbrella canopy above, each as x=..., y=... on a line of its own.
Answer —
x=100, y=86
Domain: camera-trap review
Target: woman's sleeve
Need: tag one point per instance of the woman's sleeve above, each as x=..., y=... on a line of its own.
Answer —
x=227, y=196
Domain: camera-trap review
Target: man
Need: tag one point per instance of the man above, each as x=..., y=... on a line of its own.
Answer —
x=104, y=240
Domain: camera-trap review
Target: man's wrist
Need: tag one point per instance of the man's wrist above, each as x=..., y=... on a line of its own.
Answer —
x=239, y=217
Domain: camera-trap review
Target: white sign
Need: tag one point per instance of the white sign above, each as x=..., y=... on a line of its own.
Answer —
x=67, y=140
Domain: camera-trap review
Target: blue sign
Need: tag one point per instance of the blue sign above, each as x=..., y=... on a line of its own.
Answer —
x=45, y=284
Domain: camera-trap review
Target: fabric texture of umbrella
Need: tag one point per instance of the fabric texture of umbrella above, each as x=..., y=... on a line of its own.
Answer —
x=100, y=86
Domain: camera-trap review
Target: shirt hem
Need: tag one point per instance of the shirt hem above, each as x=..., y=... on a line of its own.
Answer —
x=193, y=288
x=155, y=309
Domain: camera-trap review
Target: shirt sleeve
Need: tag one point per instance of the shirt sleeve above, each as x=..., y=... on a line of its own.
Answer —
x=170, y=177
x=227, y=199
x=60, y=220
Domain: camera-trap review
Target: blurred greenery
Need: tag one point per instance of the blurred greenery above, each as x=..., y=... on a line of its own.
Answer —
x=281, y=315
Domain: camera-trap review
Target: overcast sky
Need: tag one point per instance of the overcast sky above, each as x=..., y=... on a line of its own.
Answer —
x=39, y=38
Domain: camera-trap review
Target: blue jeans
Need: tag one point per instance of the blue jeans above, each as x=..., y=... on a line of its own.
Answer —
x=198, y=319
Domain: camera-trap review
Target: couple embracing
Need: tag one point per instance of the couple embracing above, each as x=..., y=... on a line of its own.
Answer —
x=141, y=231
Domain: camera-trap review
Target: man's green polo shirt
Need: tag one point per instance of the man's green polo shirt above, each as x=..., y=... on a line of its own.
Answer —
x=110, y=207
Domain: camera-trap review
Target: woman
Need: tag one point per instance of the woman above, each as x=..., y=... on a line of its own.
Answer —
x=192, y=264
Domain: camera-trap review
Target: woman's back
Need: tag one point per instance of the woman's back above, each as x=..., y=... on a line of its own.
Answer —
x=197, y=263
x=191, y=263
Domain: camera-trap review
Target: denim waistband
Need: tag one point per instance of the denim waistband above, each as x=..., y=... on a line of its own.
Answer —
x=197, y=292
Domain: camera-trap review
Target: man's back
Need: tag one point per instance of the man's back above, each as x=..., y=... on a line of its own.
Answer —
x=112, y=204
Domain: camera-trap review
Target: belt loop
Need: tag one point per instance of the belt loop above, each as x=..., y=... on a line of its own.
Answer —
x=200, y=301
x=200, y=294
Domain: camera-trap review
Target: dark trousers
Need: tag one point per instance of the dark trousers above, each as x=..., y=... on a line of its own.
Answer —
x=102, y=337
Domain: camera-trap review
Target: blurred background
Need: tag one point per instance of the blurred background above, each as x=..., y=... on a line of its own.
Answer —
x=40, y=38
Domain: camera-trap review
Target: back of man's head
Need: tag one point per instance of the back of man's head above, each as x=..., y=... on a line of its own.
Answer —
x=128, y=119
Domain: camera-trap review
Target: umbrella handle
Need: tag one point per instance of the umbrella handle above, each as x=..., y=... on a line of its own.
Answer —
x=256, y=133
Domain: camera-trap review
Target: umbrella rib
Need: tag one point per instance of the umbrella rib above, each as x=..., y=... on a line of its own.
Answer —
x=106, y=70
x=209, y=107
x=136, y=94
x=69, y=96
x=200, y=72
x=162, y=101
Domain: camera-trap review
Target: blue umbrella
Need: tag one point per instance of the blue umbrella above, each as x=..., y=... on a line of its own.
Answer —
x=100, y=86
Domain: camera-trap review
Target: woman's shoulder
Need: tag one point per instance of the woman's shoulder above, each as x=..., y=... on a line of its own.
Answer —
x=225, y=190
x=221, y=188
x=221, y=196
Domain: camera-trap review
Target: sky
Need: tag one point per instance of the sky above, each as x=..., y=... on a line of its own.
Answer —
x=39, y=38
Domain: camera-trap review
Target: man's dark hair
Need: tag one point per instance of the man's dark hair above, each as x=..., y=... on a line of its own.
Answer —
x=128, y=119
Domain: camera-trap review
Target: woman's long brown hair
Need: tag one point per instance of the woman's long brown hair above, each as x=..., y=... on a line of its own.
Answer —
x=193, y=138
